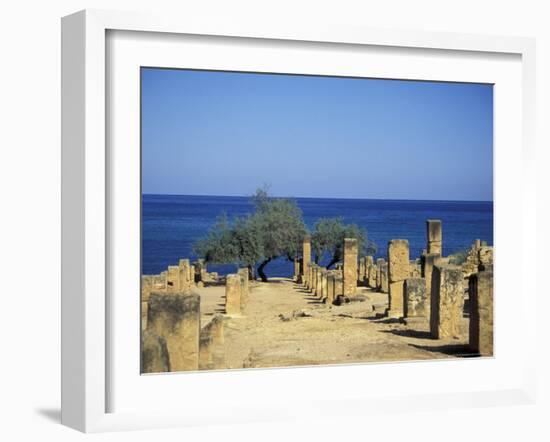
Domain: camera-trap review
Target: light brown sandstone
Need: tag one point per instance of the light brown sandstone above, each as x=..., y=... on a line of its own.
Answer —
x=415, y=302
x=435, y=236
x=447, y=301
x=176, y=318
x=245, y=286
x=306, y=256
x=154, y=353
x=233, y=289
x=212, y=351
x=173, y=279
x=481, y=313
x=350, y=266
x=398, y=271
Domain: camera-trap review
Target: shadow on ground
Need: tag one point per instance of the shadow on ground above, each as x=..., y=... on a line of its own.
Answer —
x=458, y=350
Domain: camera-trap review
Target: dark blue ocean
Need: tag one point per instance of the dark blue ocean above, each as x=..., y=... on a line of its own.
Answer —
x=172, y=223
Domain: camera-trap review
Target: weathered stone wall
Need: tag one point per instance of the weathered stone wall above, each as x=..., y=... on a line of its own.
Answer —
x=212, y=350
x=176, y=318
x=435, y=236
x=415, y=302
x=233, y=290
x=481, y=313
x=398, y=271
x=350, y=266
x=154, y=353
x=447, y=301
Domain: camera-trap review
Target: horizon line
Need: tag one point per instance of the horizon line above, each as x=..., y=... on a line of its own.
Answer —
x=321, y=197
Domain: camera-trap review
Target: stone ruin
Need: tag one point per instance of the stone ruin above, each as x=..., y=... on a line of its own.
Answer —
x=172, y=337
x=430, y=290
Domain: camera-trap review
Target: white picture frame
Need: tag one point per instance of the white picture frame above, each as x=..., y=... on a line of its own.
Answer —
x=86, y=208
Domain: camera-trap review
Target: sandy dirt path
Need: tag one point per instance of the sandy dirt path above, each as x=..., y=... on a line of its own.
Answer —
x=284, y=325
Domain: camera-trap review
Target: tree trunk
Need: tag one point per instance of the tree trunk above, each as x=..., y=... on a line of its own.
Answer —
x=251, y=275
x=316, y=260
x=332, y=262
x=261, y=269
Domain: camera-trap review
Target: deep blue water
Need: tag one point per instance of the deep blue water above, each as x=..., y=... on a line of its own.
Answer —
x=172, y=223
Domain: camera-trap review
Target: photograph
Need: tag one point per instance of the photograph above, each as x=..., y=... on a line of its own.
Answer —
x=304, y=220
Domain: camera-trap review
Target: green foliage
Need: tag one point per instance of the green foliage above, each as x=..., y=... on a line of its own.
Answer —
x=328, y=237
x=276, y=228
x=458, y=257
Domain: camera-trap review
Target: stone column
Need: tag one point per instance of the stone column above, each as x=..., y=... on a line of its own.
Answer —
x=233, y=288
x=384, y=278
x=415, y=298
x=338, y=286
x=192, y=275
x=324, y=283
x=318, y=280
x=361, y=271
x=330, y=287
x=306, y=256
x=398, y=271
x=447, y=301
x=245, y=287
x=481, y=313
x=176, y=318
x=173, y=279
x=427, y=266
x=435, y=236
x=184, y=275
x=370, y=272
x=296, y=276
x=485, y=255
x=379, y=263
x=146, y=289
x=350, y=266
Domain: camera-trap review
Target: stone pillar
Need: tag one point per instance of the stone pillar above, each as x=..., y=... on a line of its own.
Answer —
x=212, y=351
x=398, y=271
x=306, y=256
x=173, y=279
x=146, y=289
x=245, y=287
x=379, y=263
x=350, y=266
x=481, y=313
x=414, y=304
x=485, y=255
x=361, y=271
x=296, y=276
x=384, y=278
x=427, y=266
x=318, y=282
x=233, y=288
x=176, y=318
x=184, y=275
x=435, y=236
x=192, y=274
x=331, y=276
x=324, y=283
x=154, y=354
x=447, y=301
x=338, y=286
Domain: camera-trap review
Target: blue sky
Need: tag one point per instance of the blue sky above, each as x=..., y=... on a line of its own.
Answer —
x=222, y=133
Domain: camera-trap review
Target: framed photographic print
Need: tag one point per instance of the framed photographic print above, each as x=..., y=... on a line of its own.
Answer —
x=251, y=212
